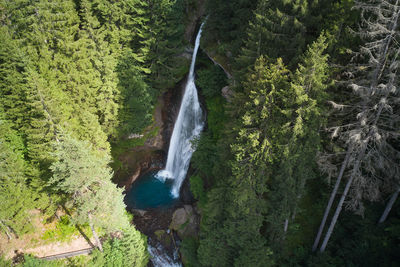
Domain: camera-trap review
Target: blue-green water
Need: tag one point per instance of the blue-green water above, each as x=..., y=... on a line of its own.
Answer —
x=148, y=192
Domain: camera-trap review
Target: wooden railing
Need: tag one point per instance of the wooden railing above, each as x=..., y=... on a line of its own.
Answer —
x=68, y=254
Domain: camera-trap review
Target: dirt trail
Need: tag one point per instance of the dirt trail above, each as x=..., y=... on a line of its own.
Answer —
x=57, y=248
x=33, y=243
x=25, y=245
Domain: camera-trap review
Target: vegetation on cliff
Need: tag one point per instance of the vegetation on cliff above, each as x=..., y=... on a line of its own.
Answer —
x=298, y=164
x=76, y=77
x=314, y=90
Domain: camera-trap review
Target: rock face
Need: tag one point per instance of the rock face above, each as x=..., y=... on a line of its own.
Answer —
x=164, y=238
x=227, y=93
x=193, y=12
x=185, y=221
x=151, y=156
x=136, y=162
x=170, y=111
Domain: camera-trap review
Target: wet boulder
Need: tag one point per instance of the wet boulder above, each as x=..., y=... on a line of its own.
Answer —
x=185, y=221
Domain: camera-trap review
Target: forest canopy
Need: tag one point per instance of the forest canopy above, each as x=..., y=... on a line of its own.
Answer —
x=299, y=162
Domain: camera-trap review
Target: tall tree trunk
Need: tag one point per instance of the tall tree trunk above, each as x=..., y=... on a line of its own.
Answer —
x=5, y=227
x=285, y=227
x=332, y=197
x=98, y=243
x=346, y=190
x=389, y=205
x=79, y=228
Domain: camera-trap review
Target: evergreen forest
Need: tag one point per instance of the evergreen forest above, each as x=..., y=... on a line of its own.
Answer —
x=298, y=163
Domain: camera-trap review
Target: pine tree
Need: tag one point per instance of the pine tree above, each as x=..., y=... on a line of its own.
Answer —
x=167, y=43
x=15, y=196
x=227, y=22
x=85, y=177
x=277, y=30
x=12, y=84
x=298, y=161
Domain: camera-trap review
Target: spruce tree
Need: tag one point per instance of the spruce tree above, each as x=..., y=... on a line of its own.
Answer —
x=84, y=176
x=276, y=30
x=16, y=198
x=12, y=83
x=298, y=160
x=259, y=132
x=167, y=43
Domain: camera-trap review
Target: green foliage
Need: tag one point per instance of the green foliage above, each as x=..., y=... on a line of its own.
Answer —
x=30, y=261
x=64, y=231
x=205, y=158
x=15, y=196
x=283, y=29
x=216, y=116
x=211, y=80
x=188, y=250
x=84, y=175
x=168, y=66
x=4, y=262
x=130, y=250
x=266, y=180
x=137, y=98
x=197, y=188
x=12, y=85
x=227, y=22
x=297, y=164
x=75, y=75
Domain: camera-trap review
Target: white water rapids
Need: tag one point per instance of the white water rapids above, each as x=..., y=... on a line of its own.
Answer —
x=160, y=258
x=188, y=125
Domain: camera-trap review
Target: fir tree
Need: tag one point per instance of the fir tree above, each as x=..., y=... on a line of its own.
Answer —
x=85, y=177
x=15, y=196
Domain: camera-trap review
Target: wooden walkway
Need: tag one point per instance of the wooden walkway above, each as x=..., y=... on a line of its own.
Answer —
x=68, y=254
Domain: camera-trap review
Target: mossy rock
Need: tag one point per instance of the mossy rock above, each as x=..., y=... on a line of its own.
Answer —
x=164, y=238
x=185, y=222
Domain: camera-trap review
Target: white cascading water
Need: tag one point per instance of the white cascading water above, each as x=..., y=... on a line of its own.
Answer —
x=160, y=258
x=188, y=125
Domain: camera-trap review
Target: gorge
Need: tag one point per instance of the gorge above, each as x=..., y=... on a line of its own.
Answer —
x=165, y=185
x=291, y=158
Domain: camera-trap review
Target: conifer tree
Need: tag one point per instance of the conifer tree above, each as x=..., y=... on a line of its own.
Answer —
x=277, y=30
x=15, y=197
x=126, y=26
x=84, y=176
x=99, y=63
x=259, y=133
x=227, y=22
x=298, y=161
x=372, y=126
x=12, y=84
x=167, y=42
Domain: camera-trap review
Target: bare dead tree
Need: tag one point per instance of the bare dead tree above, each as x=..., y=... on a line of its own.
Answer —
x=371, y=159
x=389, y=205
x=331, y=198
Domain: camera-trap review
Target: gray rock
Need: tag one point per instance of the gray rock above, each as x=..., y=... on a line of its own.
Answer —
x=227, y=93
x=185, y=221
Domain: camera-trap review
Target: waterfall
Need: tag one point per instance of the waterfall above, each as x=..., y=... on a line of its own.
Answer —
x=188, y=125
x=159, y=257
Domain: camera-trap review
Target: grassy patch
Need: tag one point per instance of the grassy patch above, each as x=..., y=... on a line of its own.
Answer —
x=64, y=231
